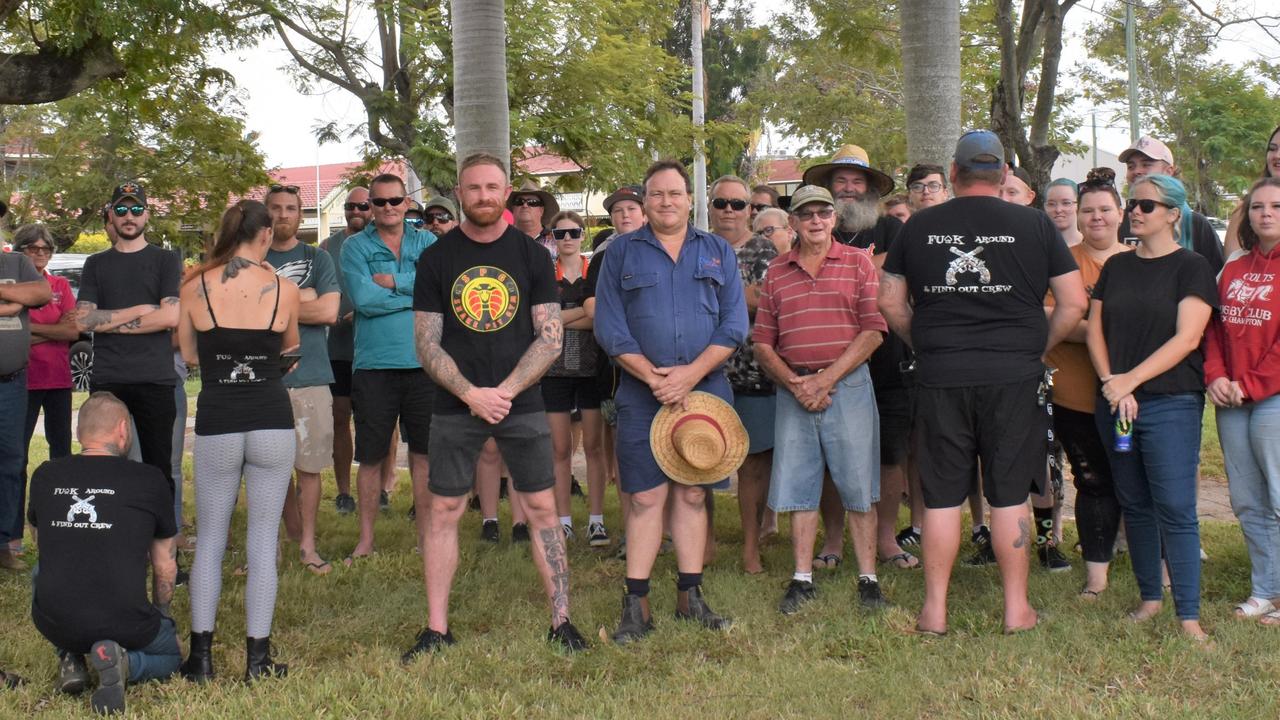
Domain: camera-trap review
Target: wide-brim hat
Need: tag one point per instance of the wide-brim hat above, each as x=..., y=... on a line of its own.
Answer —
x=700, y=444
x=849, y=157
x=550, y=208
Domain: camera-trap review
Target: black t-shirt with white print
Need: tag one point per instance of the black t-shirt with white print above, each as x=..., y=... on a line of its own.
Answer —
x=978, y=269
x=486, y=292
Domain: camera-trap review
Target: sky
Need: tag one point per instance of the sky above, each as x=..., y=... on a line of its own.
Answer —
x=285, y=118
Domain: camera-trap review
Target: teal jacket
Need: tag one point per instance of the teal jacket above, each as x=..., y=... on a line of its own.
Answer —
x=384, y=317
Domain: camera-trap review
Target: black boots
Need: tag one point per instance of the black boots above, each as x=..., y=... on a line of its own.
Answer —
x=636, y=622
x=258, y=662
x=198, y=667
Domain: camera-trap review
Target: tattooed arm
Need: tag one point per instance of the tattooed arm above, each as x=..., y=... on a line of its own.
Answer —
x=90, y=319
x=895, y=304
x=543, y=351
x=164, y=569
x=162, y=318
x=488, y=404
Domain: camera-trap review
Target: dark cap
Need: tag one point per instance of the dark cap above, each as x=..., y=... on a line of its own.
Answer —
x=626, y=192
x=129, y=189
x=979, y=150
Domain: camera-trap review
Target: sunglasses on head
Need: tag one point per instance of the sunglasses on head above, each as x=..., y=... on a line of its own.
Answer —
x=722, y=203
x=122, y=210
x=393, y=201
x=824, y=213
x=439, y=217
x=527, y=202
x=1146, y=206
x=562, y=233
x=361, y=206
x=291, y=189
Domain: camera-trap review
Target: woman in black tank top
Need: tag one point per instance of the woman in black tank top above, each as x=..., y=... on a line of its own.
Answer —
x=235, y=320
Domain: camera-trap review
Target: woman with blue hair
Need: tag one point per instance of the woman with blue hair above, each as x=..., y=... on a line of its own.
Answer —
x=1147, y=316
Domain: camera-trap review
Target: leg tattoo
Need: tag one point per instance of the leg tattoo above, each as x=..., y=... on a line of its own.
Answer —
x=1024, y=534
x=558, y=565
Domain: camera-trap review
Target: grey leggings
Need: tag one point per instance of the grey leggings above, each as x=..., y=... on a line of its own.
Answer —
x=265, y=458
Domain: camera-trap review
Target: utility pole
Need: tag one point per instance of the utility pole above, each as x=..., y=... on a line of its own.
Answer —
x=1095, y=137
x=699, y=120
x=1131, y=49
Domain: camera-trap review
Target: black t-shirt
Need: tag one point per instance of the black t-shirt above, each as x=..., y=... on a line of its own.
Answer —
x=878, y=238
x=114, y=280
x=1204, y=240
x=978, y=268
x=486, y=292
x=1140, y=299
x=95, y=519
x=886, y=363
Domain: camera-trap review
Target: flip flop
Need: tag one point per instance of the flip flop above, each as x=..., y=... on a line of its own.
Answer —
x=830, y=561
x=903, y=561
x=1090, y=595
x=917, y=630
x=318, y=568
x=353, y=559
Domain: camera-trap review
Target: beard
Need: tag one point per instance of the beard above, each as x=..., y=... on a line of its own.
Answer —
x=858, y=214
x=356, y=223
x=123, y=234
x=285, y=228
x=484, y=213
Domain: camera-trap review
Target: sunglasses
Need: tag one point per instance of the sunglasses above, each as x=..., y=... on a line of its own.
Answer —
x=562, y=233
x=392, y=201
x=807, y=215
x=122, y=210
x=361, y=206
x=760, y=206
x=921, y=187
x=416, y=222
x=291, y=189
x=38, y=250
x=439, y=217
x=721, y=203
x=1146, y=206
x=527, y=202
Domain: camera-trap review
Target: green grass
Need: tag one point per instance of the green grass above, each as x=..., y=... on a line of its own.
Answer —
x=343, y=635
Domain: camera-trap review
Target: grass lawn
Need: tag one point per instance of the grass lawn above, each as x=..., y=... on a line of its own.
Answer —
x=343, y=635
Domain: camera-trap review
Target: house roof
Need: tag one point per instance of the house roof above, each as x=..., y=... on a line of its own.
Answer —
x=782, y=170
x=325, y=177
x=537, y=160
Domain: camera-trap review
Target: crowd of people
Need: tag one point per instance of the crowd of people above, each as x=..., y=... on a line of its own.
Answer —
x=844, y=351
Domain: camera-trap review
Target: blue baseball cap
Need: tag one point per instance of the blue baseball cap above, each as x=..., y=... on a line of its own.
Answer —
x=979, y=150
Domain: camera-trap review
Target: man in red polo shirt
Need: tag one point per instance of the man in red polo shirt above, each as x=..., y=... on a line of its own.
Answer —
x=816, y=325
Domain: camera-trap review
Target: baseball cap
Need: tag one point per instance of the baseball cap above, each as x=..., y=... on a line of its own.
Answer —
x=129, y=189
x=443, y=203
x=626, y=192
x=1150, y=147
x=979, y=150
x=809, y=194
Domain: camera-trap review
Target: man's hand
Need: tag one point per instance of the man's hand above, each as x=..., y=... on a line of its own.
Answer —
x=385, y=280
x=811, y=390
x=489, y=404
x=673, y=384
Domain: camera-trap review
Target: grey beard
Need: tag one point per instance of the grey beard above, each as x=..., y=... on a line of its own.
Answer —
x=858, y=215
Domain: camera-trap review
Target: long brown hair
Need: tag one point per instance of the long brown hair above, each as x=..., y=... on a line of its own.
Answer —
x=240, y=224
x=1249, y=238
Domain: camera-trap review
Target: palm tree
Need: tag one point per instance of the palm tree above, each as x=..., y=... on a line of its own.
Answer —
x=482, y=119
x=931, y=78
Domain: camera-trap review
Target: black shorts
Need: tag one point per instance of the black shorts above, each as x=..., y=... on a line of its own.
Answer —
x=381, y=397
x=607, y=379
x=523, y=439
x=564, y=394
x=1003, y=425
x=894, y=406
x=341, y=385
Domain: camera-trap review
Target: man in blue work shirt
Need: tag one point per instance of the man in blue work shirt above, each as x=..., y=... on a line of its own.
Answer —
x=670, y=310
x=387, y=385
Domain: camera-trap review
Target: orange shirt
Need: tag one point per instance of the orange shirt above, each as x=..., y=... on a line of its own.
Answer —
x=1075, y=385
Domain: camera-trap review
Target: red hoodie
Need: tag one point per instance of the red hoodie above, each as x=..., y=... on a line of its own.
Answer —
x=1240, y=343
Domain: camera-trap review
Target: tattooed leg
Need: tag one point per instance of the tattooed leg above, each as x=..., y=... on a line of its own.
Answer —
x=549, y=552
x=1010, y=539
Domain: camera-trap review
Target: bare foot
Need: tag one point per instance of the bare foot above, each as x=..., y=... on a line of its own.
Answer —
x=1022, y=622
x=1146, y=610
x=751, y=565
x=931, y=623
x=1195, y=633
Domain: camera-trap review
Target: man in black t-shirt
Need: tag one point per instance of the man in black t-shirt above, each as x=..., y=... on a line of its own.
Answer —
x=487, y=326
x=964, y=284
x=97, y=517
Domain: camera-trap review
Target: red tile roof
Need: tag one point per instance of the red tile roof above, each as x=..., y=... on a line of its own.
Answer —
x=536, y=160
x=330, y=176
x=782, y=170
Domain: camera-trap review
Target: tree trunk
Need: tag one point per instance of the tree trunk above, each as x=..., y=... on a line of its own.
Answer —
x=482, y=119
x=931, y=78
x=49, y=75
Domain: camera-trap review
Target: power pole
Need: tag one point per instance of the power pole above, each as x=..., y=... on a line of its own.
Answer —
x=1095, y=138
x=699, y=120
x=1131, y=49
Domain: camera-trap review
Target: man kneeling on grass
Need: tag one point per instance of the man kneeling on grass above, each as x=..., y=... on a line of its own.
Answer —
x=97, y=516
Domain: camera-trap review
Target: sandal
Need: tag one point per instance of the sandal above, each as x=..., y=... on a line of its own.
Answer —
x=1090, y=595
x=353, y=559
x=830, y=561
x=917, y=630
x=1254, y=607
x=1271, y=619
x=903, y=561
x=323, y=567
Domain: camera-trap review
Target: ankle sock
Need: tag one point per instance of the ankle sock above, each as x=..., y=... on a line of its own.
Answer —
x=595, y=519
x=687, y=581
x=915, y=529
x=1044, y=524
x=803, y=577
x=492, y=519
x=638, y=587
x=870, y=576
x=566, y=520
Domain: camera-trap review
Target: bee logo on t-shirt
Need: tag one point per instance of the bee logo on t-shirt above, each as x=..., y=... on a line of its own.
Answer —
x=485, y=299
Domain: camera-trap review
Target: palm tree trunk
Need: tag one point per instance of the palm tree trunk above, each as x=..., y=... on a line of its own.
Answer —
x=931, y=78
x=482, y=119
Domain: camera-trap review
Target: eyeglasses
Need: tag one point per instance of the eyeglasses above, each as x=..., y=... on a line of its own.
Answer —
x=807, y=215
x=562, y=233
x=361, y=206
x=1052, y=204
x=392, y=201
x=722, y=203
x=416, y=222
x=527, y=202
x=1146, y=206
x=769, y=230
x=38, y=250
x=922, y=187
x=291, y=189
x=439, y=217
x=122, y=210
x=760, y=206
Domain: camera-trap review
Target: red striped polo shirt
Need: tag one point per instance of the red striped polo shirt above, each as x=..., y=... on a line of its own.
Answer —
x=810, y=320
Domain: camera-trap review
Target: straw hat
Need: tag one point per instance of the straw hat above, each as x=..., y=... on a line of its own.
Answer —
x=700, y=444
x=852, y=157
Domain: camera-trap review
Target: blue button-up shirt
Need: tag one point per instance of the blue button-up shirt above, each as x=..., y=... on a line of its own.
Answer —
x=669, y=311
x=384, y=316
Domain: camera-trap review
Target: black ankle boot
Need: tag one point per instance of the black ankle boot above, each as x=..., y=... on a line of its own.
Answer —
x=198, y=667
x=634, y=625
x=258, y=662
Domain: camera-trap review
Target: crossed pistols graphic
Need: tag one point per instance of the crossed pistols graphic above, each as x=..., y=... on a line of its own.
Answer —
x=967, y=262
x=82, y=507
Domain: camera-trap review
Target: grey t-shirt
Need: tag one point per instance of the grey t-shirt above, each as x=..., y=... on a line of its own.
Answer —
x=15, y=331
x=341, y=336
x=308, y=267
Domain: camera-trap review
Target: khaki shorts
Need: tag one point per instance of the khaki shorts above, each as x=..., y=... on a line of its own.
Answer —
x=313, y=426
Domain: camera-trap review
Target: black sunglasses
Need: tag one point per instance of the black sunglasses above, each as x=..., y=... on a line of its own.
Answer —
x=393, y=201
x=527, y=202
x=1146, y=206
x=721, y=203
x=439, y=217
x=760, y=206
x=416, y=222
x=291, y=189
x=122, y=210
x=361, y=206
x=562, y=233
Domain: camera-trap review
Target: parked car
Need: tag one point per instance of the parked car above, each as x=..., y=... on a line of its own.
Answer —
x=71, y=266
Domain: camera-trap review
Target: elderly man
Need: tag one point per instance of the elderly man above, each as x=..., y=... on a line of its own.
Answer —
x=816, y=327
x=532, y=207
x=964, y=284
x=98, y=516
x=1149, y=156
x=670, y=310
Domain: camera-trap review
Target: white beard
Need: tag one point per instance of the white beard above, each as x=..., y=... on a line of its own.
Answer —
x=858, y=215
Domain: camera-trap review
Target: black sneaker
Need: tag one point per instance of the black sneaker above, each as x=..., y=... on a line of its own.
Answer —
x=597, y=536
x=568, y=636
x=520, y=533
x=345, y=504
x=489, y=531
x=112, y=664
x=869, y=594
x=633, y=625
x=384, y=501
x=799, y=592
x=428, y=641
x=181, y=578
x=984, y=555
x=1052, y=559
x=701, y=612
x=908, y=538
x=73, y=674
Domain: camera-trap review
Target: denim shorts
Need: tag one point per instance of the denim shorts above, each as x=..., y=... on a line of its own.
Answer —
x=844, y=438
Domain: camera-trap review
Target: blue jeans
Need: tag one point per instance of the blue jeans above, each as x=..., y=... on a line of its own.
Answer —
x=13, y=453
x=159, y=659
x=1250, y=437
x=1156, y=486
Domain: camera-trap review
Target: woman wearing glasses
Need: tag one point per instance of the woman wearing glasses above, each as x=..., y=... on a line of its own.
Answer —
x=1060, y=205
x=1146, y=319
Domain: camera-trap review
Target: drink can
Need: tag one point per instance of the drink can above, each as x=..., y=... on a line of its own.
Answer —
x=1124, y=436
